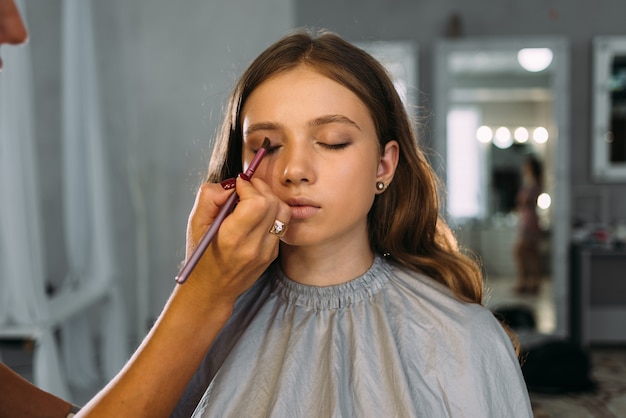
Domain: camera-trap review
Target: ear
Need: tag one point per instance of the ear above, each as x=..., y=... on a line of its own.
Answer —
x=388, y=162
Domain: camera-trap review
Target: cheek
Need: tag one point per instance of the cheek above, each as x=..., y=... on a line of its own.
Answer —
x=359, y=173
x=353, y=184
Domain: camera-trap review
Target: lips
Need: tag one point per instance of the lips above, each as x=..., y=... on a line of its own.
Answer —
x=303, y=208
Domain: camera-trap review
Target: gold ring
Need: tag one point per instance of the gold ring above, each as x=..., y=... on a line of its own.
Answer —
x=279, y=228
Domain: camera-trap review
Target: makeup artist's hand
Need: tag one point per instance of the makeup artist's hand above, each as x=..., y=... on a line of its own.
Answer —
x=198, y=309
x=243, y=247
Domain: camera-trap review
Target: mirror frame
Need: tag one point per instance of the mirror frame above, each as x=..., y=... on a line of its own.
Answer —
x=560, y=87
x=605, y=48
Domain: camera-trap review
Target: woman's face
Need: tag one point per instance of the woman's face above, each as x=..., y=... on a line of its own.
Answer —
x=324, y=159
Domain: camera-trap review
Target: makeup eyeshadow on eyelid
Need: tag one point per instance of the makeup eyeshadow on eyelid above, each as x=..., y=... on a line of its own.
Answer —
x=253, y=144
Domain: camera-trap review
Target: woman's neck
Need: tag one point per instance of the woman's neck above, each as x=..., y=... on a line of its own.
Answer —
x=325, y=265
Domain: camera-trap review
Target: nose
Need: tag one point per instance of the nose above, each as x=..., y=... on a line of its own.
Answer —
x=296, y=164
x=12, y=28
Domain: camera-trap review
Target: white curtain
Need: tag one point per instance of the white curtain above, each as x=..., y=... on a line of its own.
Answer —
x=24, y=311
x=87, y=206
x=22, y=257
x=88, y=308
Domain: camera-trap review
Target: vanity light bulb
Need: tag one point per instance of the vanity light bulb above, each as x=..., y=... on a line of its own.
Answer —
x=540, y=135
x=544, y=201
x=484, y=134
x=521, y=134
x=503, y=138
x=535, y=59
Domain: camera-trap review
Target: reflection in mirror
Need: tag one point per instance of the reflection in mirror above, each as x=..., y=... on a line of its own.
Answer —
x=609, y=139
x=502, y=104
x=400, y=58
x=617, y=125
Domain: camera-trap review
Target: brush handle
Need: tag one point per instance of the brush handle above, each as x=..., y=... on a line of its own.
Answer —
x=207, y=238
x=222, y=214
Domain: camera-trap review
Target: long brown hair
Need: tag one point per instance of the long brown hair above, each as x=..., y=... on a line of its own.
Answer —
x=404, y=221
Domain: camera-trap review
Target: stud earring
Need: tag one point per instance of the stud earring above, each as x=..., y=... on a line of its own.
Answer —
x=380, y=186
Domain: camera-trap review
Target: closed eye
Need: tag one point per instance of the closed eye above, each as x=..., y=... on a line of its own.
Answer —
x=272, y=149
x=334, y=146
x=269, y=150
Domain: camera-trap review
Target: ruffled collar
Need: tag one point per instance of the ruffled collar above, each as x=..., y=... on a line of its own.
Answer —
x=335, y=296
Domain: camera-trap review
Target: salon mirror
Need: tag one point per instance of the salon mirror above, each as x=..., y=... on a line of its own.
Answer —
x=400, y=58
x=493, y=108
x=609, y=108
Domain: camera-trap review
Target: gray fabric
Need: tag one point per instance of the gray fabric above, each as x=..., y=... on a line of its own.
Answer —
x=391, y=343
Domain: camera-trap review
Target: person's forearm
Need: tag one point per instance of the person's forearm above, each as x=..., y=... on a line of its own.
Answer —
x=20, y=398
x=156, y=376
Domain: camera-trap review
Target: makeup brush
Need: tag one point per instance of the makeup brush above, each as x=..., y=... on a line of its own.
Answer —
x=223, y=213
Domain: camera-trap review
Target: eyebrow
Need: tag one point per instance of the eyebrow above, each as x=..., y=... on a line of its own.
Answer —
x=320, y=121
x=326, y=119
x=262, y=126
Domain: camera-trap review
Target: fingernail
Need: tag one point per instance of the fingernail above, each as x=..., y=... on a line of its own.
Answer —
x=243, y=176
x=228, y=184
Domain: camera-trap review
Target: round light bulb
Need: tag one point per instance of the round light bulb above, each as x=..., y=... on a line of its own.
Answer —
x=521, y=134
x=503, y=138
x=484, y=134
x=540, y=135
x=535, y=59
x=544, y=201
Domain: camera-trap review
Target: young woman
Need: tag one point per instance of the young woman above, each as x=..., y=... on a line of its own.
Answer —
x=370, y=309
